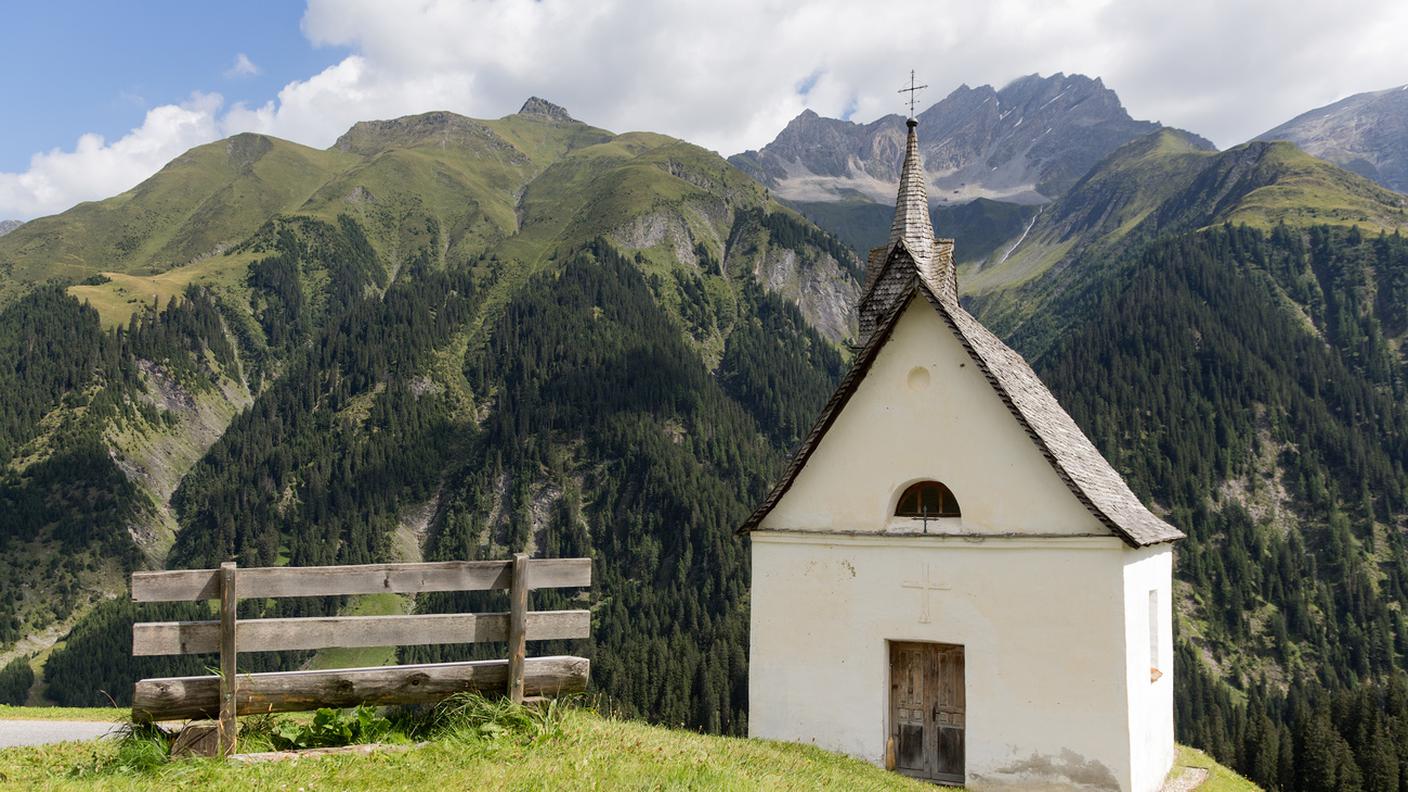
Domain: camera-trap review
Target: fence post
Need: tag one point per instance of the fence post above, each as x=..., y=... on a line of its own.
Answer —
x=227, y=658
x=517, y=618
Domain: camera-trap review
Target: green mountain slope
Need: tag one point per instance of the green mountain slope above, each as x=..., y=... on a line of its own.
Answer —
x=212, y=196
x=476, y=337
x=1164, y=184
x=346, y=382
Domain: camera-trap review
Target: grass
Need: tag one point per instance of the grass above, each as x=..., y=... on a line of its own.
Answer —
x=107, y=714
x=483, y=748
x=1304, y=191
x=469, y=742
x=369, y=656
x=1220, y=779
x=210, y=196
x=123, y=293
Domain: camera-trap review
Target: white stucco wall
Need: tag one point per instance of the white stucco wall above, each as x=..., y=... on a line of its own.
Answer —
x=1042, y=626
x=1052, y=609
x=1150, y=702
x=925, y=411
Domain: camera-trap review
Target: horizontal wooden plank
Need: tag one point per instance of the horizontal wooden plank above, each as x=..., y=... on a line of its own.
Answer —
x=179, y=585
x=178, y=698
x=332, y=632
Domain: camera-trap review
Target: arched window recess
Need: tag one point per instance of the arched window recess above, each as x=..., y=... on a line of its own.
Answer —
x=927, y=500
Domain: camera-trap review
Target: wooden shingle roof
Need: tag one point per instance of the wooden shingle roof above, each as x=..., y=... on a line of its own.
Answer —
x=1071, y=454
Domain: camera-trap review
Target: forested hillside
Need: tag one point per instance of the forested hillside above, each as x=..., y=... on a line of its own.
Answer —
x=449, y=338
x=1250, y=383
x=541, y=337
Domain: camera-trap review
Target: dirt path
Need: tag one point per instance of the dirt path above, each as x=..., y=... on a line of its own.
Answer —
x=1190, y=779
x=39, y=732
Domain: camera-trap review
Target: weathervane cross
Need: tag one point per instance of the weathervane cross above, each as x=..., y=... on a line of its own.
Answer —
x=912, y=90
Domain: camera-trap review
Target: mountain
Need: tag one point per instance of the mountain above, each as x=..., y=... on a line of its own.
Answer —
x=441, y=337
x=455, y=338
x=1227, y=328
x=1366, y=133
x=6, y=226
x=1166, y=183
x=1026, y=143
x=977, y=227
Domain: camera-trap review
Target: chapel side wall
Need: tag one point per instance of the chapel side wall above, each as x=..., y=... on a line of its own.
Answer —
x=925, y=410
x=1041, y=621
x=1150, y=701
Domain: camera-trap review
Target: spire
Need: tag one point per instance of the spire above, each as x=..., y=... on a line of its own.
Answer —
x=911, y=224
x=912, y=248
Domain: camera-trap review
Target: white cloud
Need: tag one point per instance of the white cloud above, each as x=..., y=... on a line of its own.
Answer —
x=95, y=168
x=242, y=67
x=726, y=74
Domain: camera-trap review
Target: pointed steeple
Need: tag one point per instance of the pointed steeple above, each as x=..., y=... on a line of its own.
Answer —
x=912, y=249
x=911, y=224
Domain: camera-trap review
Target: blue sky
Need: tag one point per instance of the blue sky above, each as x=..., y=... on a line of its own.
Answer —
x=100, y=95
x=77, y=67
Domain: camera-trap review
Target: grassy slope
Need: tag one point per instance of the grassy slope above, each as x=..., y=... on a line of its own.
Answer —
x=212, y=195
x=106, y=714
x=1104, y=207
x=1302, y=190
x=1166, y=182
x=521, y=187
x=592, y=753
x=1220, y=779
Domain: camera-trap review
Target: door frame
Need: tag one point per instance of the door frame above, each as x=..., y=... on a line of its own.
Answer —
x=889, y=715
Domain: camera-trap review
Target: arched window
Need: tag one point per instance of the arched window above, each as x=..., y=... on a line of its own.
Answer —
x=927, y=499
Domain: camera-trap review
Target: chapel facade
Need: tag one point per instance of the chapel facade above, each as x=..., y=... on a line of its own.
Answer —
x=950, y=580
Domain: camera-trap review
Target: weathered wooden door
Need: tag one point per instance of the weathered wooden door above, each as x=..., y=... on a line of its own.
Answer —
x=927, y=710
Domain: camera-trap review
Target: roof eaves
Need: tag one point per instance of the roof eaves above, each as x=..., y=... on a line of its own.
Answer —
x=844, y=390
x=853, y=377
x=1007, y=398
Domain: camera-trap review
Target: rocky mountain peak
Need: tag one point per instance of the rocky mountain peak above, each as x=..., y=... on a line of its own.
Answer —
x=542, y=107
x=1365, y=133
x=1027, y=142
x=6, y=226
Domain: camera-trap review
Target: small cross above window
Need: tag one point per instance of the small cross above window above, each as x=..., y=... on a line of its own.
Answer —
x=927, y=500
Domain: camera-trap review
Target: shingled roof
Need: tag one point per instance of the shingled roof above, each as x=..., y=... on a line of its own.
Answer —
x=1071, y=454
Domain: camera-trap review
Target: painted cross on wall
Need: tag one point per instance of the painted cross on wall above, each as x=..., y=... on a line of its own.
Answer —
x=925, y=587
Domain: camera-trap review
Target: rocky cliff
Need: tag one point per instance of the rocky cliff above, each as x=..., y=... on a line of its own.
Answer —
x=1027, y=142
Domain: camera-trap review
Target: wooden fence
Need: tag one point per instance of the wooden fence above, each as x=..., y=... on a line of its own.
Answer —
x=230, y=694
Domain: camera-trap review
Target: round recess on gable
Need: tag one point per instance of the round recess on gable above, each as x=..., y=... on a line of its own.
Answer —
x=918, y=378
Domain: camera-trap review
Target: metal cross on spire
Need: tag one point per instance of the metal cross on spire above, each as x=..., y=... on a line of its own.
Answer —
x=912, y=90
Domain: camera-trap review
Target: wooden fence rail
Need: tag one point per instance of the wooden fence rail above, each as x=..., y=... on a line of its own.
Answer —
x=231, y=694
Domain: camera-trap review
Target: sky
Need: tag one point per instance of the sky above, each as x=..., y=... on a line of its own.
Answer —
x=97, y=96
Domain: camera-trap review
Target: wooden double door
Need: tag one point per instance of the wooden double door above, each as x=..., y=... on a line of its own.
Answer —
x=927, y=710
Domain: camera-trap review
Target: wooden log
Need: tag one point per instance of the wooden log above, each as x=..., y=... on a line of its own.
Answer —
x=196, y=697
x=517, y=630
x=326, y=581
x=197, y=738
x=228, y=682
x=270, y=635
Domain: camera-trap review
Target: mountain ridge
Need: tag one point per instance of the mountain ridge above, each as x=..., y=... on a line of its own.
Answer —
x=1366, y=133
x=976, y=142
x=469, y=338
x=373, y=273
x=1171, y=182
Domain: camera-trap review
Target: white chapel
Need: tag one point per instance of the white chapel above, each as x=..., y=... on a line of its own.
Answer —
x=950, y=580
